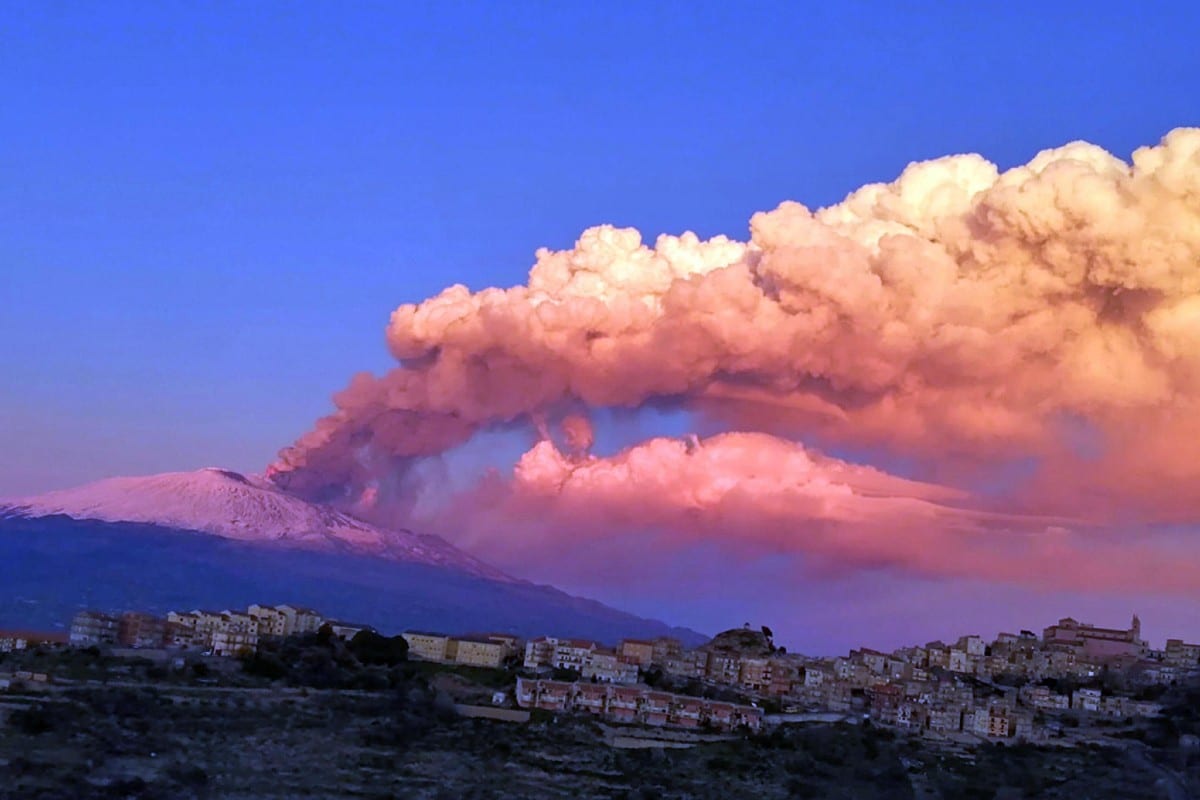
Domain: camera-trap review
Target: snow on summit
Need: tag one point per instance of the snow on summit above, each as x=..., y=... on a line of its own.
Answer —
x=234, y=506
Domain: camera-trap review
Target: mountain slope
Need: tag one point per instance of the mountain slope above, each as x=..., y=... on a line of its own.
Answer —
x=216, y=539
x=234, y=506
x=51, y=567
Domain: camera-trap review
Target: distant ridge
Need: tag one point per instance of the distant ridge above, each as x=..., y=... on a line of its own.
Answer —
x=234, y=506
x=216, y=538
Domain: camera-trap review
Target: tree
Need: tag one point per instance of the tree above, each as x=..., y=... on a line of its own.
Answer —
x=373, y=648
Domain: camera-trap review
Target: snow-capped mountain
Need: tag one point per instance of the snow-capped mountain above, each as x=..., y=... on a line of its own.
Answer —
x=216, y=539
x=245, y=508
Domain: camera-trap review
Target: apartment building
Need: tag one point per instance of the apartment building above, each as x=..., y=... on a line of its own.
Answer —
x=724, y=667
x=592, y=698
x=635, y=704
x=754, y=673
x=638, y=651
x=136, y=629
x=609, y=667
x=428, y=646
x=539, y=652
x=884, y=700
x=850, y=672
x=1086, y=699
x=911, y=714
x=944, y=718
x=665, y=648
x=874, y=661
x=200, y=625
x=1180, y=654
x=972, y=645
x=271, y=621
x=93, y=628
x=1042, y=697
x=233, y=641
x=480, y=652
x=300, y=620
x=995, y=721
x=960, y=661
x=689, y=664
x=572, y=653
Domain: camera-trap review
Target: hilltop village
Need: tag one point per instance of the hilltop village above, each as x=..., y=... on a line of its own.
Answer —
x=279, y=701
x=1018, y=686
x=1060, y=684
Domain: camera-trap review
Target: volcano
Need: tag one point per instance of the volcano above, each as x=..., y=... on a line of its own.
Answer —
x=217, y=538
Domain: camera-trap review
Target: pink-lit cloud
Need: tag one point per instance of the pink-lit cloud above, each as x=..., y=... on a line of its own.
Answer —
x=960, y=316
x=755, y=495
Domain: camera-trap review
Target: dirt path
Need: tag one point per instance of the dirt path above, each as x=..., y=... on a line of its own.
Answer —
x=1171, y=783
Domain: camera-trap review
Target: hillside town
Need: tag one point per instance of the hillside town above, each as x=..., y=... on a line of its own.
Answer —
x=1020, y=686
x=218, y=633
x=1016, y=686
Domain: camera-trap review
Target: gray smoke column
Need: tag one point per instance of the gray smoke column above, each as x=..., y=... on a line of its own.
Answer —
x=956, y=313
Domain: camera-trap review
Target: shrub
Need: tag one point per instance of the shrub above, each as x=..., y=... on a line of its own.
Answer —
x=188, y=775
x=372, y=648
x=34, y=721
x=264, y=665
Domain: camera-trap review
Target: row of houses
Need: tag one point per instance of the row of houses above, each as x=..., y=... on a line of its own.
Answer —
x=947, y=688
x=25, y=677
x=1068, y=649
x=489, y=650
x=948, y=709
x=950, y=706
x=589, y=659
x=12, y=641
x=766, y=675
x=636, y=704
x=937, y=686
x=222, y=633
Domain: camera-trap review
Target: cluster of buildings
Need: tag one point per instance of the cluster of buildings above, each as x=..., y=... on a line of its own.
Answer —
x=490, y=650
x=623, y=663
x=636, y=704
x=996, y=689
x=221, y=633
x=590, y=660
x=12, y=641
x=23, y=677
x=1017, y=685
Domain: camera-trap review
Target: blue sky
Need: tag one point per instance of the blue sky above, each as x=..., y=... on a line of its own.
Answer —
x=207, y=211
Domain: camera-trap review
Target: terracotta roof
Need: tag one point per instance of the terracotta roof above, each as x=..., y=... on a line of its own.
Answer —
x=582, y=644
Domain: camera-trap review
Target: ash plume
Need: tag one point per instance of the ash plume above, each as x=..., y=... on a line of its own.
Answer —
x=960, y=316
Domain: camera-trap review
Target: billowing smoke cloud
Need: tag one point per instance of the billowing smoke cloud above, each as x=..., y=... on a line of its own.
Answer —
x=757, y=495
x=962, y=317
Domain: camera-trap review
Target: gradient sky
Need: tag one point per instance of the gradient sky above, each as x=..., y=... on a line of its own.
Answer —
x=207, y=212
